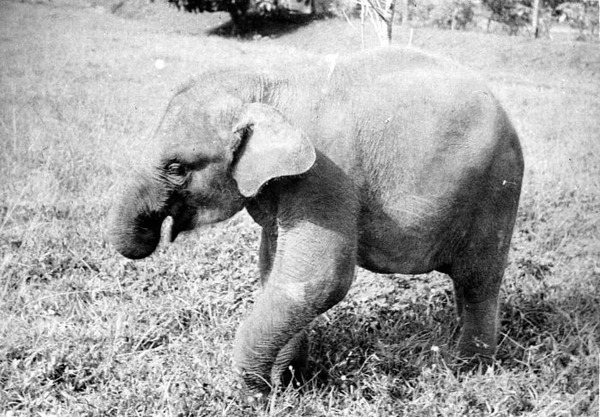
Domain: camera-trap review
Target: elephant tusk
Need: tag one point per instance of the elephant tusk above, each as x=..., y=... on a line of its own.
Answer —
x=168, y=231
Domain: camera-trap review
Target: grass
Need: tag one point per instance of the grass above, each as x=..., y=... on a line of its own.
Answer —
x=86, y=332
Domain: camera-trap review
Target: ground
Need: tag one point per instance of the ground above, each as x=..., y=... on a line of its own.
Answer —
x=84, y=331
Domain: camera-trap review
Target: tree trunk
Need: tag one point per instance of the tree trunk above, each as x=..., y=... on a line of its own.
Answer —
x=405, y=13
x=454, y=19
x=390, y=8
x=535, y=18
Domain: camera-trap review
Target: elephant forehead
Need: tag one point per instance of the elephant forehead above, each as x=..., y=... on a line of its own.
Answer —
x=198, y=127
x=191, y=152
x=221, y=109
x=186, y=140
x=189, y=136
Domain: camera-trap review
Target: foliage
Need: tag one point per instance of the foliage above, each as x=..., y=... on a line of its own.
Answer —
x=516, y=14
x=513, y=13
x=580, y=15
x=236, y=8
x=453, y=14
x=199, y=6
x=344, y=8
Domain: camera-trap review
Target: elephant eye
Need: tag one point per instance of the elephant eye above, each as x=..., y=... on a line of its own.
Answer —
x=175, y=168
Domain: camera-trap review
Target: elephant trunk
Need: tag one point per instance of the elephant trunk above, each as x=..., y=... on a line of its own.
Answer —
x=136, y=218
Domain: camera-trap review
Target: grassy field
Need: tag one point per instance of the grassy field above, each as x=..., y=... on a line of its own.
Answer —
x=86, y=332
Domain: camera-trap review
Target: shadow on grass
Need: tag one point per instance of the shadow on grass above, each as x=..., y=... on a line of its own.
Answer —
x=387, y=338
x=254, y=26
x=542, y=328
x=542, y=331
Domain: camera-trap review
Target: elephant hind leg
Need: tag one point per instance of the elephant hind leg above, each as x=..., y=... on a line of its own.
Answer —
x=477, y=275
x=477, y=308
x=479, y=322
x=478, y=267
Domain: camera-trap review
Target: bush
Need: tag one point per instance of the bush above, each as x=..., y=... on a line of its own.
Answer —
x=582, y=16
x=236, y=8
x=421, y=11
x=340, y=8
x=239, y=9
x=453, y=14
x=512, y=13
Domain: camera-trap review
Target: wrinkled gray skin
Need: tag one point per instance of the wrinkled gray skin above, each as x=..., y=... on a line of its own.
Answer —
x=392, y=160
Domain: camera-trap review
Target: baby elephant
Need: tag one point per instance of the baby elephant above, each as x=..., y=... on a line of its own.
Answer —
x=392, y=160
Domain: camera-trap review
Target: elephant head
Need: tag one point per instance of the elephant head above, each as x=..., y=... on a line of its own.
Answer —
x=211, y=160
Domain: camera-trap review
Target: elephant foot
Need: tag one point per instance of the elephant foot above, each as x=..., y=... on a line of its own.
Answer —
x=292, y=371
x=295, y=374
x=474, y=363
x=253, y=385
x=289, y=368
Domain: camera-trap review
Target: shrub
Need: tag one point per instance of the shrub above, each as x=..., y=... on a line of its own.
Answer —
x=512, y=13
x=236, y=8
x=582, y=16
x=453, y=14
x=340, y=8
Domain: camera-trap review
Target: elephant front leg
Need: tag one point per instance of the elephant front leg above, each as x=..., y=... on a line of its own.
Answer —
x=273, y=337
x=306, y=268
x=291, y=360
x=271, y=340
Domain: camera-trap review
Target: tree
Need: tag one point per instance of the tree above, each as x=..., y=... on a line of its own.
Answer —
x=535, y=17
x=581, y=15
x=513, y=13
x=237, y=9
x=453, y=14
x=381, y=14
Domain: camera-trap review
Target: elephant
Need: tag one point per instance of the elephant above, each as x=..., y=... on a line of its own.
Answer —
x=394, y=160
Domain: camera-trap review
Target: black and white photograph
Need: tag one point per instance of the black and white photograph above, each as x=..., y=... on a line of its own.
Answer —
x=299, y=208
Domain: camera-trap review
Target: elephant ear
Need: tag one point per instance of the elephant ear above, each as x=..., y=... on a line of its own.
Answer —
x=269, y=146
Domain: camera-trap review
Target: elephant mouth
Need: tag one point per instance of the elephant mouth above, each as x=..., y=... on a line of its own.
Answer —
x=180, y=219
x=142, y=240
